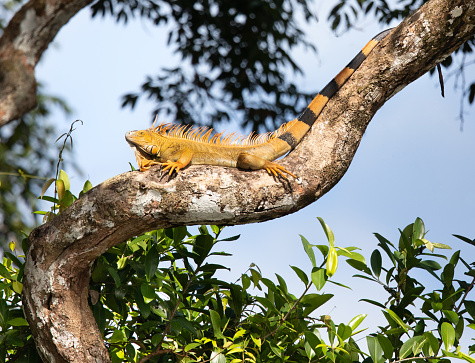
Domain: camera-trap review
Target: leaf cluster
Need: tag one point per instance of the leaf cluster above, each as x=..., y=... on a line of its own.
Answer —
x=155, y=297
x=425, y=324
x=26, y=160
x=159, y=297
x=237, y=55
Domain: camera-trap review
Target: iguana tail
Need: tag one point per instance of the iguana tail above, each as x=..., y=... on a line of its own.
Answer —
x=307, y=118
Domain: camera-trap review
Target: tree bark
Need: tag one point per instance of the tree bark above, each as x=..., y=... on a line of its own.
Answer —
x=61, y=252
x=22, y=43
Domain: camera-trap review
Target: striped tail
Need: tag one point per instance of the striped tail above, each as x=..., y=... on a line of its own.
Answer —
x=308, y=117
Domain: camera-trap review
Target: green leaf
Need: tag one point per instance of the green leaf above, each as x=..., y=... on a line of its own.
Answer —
x=114, y=275
x=151, y=262
x=17, y=287
x=4, y=272
x=179, y=234
x=385, y=244
x=118, y=336
x=469, y=305
x=397, y=319
x=217, y=357
x=374, y=303
x=46, y=186
x=302, y=275
x=360, y=266
x=375, y=349
x=232, y=238
x=432, y=348
x=309, y=352
x=376, y=263
x=328, y=232
x=332, y=262
x=308, y=250
x=465, y=239
x=429, y=265
x=344, y=331
x=323, y=250
x=276, y=349
x=64, y=177
x=429, y=245
x=356, y=321
x=246, y=281
x=17, y=322
x=447, y=275
x=418, y=230
x=216, y=322
x=387, y=346
x=349, y=254
x=202, y=247
x=121, y=262
x=447, y=333
x=318, y=277
x=87, y=186
x=312, y=339
x=314, y=301
x=411, y=346
x=451, y=316
x=216, y=229
x=148, y=292
x=418, y=343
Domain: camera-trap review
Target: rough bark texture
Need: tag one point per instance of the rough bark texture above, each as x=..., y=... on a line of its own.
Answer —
x=22, y=43
x=62, y=251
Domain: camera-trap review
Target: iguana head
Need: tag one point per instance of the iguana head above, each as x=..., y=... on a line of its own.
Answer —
x=145, y=141
x=146, y=147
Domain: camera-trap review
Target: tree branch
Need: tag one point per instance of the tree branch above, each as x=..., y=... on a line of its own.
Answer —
x=22, y=43
x=62, y=251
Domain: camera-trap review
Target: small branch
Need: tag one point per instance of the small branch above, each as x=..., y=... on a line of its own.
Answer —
x=288, y=312
x=465, y=295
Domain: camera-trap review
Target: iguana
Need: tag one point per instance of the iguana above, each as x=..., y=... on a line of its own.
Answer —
x=176, y=146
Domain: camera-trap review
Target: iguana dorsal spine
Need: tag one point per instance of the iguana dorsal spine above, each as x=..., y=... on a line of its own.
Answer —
x=176, y=146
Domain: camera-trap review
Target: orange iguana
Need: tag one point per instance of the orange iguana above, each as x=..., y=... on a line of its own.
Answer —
x=176, y=146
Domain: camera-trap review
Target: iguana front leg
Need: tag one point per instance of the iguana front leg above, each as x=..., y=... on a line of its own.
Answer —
x=249, y=161
x=145, y=164
x=183, y=160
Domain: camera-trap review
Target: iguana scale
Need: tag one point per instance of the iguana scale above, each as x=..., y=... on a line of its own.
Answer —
x=176, y=146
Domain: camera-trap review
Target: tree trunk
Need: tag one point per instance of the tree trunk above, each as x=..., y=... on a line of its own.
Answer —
x=60, y=254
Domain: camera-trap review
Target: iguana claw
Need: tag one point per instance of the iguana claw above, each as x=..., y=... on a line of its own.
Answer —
x=173, y=166
x=276, y=170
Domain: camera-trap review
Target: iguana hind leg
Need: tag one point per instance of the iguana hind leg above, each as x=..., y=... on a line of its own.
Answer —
x=249, y=161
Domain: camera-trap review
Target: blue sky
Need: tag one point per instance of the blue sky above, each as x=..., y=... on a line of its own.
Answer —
x=413, y=160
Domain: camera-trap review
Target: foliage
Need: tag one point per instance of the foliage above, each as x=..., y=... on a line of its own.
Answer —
x=16, y=342
x=158, y=297
x=26, y=159
x=238, y=54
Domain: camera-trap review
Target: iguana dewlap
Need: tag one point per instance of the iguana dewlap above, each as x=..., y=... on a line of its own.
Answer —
x=176, y=146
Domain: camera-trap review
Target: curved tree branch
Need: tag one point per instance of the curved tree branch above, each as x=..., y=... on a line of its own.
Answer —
x=22, y=43
x=62, y=251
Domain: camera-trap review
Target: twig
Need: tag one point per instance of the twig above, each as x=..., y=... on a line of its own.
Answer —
x=288, y=312
x=60, y=156
x=465, y=295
